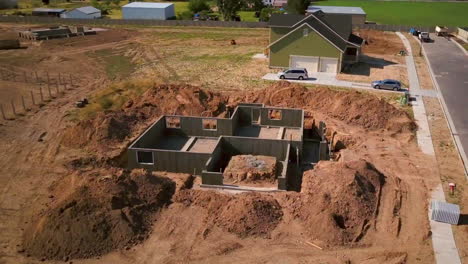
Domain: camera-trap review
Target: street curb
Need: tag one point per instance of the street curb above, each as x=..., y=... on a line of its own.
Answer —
x=460, y=46
x=451, y=126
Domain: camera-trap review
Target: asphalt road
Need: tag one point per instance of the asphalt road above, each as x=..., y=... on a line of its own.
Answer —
x=450, y=67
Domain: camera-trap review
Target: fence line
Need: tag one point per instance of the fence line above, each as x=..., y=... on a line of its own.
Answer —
x=232, y=24
x=104, y=22
x=35, y=77
x=46, y=87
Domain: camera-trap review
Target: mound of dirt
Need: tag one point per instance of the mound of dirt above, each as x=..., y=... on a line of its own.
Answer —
x=249, y=168
x=352, y=107
x=247, y=214
x=338, y=201
x=109, y=132
x=103, y=215
x=252, y=214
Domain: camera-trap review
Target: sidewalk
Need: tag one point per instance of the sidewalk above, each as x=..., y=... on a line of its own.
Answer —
x=445, y=249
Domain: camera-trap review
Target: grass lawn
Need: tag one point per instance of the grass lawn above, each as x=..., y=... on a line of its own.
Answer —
x=409, y=13
x=248, y=16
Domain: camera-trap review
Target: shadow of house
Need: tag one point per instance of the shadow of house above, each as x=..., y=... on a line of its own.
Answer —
x=363, y=67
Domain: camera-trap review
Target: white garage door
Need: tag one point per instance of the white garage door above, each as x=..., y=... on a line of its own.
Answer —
x=310, y=63
x=328, y=65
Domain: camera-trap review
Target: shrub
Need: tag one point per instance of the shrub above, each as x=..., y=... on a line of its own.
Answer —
x=198, y=5
x=186, y=15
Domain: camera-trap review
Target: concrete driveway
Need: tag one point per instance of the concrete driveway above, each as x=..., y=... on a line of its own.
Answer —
x=450, y=68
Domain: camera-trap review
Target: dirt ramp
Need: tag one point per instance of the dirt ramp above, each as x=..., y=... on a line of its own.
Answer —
x=338, y=201
x=246, y=214
x=101, y=216
x=352, y=107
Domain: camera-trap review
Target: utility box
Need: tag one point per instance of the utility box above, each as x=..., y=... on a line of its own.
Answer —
x=445, y=212
x=148, y=10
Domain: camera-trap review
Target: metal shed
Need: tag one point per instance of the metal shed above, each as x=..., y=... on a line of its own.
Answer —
x=445, y=212
x=85, y=12
x=148, y=10
x=357, y=14
x=53, y=12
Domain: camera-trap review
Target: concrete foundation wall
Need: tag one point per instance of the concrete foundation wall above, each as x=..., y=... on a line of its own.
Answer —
x=217, y=158
x=152, y=136
x=289, y=117
x=192, y=126
x=268, y=147
x=212, y=178
x=177, y=161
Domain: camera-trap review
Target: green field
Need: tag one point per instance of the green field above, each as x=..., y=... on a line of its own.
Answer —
x=409, y=13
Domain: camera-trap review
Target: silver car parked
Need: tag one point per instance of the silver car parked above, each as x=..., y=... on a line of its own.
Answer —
x=294, y=73
x=387, y=84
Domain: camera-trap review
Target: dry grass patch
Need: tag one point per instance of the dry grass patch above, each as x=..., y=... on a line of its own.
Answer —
x=450, y=167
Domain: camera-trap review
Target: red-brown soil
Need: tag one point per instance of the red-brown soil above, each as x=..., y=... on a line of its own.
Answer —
x=345, y=197
x=249, y=214
x=251, y=169
x=109, y=132
x=380, y=42
x=107, y=213
x=352, y=107
x=199, y=226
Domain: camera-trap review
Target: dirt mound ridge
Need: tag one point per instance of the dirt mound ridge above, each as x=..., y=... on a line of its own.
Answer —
x=108, y=132
x=247, y=214
x=338, y=201
x=103, y=215
x=352, y=107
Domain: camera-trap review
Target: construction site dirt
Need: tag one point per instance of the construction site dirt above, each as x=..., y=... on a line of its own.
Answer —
x=68, y=197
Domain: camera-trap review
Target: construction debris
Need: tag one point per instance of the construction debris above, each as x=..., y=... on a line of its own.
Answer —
x=56, y=32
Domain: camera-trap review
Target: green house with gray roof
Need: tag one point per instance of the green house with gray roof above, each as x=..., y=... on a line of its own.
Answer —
x=318, y=42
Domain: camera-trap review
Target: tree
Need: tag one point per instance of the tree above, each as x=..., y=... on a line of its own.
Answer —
x=256, y=5
x=229, y=8
x=197, y=6
x=298, y=6
x=104, y=7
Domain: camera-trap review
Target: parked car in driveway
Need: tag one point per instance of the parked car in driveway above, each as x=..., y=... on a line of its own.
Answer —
x=387, y=84
x=296, y=73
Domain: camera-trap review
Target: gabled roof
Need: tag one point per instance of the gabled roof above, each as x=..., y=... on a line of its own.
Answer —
x=88, y=10
x=318, y=23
